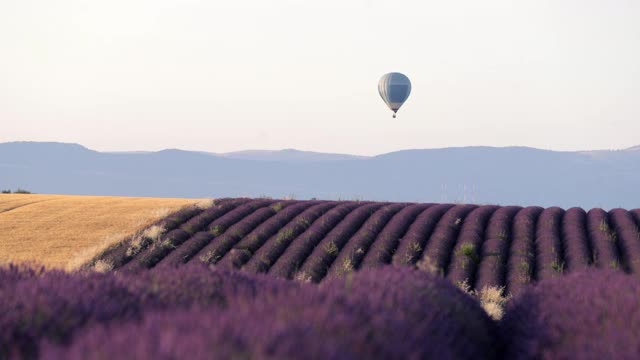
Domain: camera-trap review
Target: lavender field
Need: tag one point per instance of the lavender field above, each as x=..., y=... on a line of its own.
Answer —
x=484, y=246
x=198, y=311
x=284, y=279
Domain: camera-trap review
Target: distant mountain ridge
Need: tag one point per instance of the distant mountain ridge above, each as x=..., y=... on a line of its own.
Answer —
x=480, y=174
x=289, y=155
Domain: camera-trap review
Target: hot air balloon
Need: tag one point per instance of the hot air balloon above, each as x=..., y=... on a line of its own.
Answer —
x=394, y=89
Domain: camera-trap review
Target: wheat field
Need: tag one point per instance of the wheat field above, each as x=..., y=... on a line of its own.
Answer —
x=64, y=231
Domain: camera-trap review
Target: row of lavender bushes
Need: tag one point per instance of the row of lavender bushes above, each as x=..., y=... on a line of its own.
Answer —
x=476, y=246
x=203, y=312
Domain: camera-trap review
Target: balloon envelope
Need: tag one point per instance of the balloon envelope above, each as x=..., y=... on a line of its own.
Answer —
x=394, y=88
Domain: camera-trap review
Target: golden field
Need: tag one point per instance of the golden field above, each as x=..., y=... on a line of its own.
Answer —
x=64, y=231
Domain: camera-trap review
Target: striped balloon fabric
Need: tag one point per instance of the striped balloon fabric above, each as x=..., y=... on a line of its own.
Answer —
x=394, y=89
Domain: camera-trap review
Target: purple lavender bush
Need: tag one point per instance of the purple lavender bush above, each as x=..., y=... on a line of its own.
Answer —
x=584, y=315
x=628, y=235
x=351, y=255
x=376, y=314
x=53, y=305
x=381, y=250
x=428, y=316
x=287, y=264
x=521, y=262
x=549, y=250
x=316, y=265
x=440, y=244
x=466, y=253
x=199, y=222
x=222, y=226
x=412, y=246
x=603, y=240
x=492, y=268
x=248, y=245
x=577, y=254
x=266, y=255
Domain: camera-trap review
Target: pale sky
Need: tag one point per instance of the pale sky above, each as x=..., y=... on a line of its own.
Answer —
x=253, y=74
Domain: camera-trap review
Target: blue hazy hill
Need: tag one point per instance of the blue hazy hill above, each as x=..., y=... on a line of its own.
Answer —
x=510, y=175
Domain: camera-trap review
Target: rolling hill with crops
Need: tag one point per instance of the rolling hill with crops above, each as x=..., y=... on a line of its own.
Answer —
x=268, y=278
x=480, y=246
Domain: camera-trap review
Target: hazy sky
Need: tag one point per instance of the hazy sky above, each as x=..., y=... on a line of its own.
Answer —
x=255, y=74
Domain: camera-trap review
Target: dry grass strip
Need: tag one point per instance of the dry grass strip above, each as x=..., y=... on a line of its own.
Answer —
x=64, y=231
